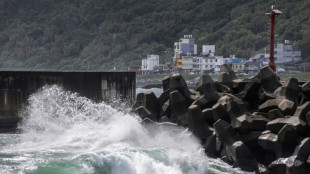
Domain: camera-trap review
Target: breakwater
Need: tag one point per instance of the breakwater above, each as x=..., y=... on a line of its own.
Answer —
x=17, y=86
x=258, y=124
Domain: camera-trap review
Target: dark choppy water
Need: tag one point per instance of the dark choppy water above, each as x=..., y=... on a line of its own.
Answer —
x=63, y=133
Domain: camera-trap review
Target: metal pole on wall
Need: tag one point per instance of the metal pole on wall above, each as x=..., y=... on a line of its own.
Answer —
x=274, y=12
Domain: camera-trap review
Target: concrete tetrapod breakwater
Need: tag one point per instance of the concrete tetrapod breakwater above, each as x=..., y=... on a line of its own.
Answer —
x=259, y=124
x=16, y=86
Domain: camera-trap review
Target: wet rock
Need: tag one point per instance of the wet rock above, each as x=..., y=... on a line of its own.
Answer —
x=139, y=101
x=225, y=79
x=178, y=107
x=207, y=115
x=232, y=105
x=163, y=119
x=222, y=88
x=206, y=85
x=243, y=157
x=225, y=132
x=245, y=123
x=276, y=125
x=287, y=137
x=295, y=166
x=178, y=83
x=151, y=103
x=269, y=80
x=269, y=141
x=251, y=93
x=278, y=166
x=262, y=169
x=207, y=100
x=287, y=107
x=196, y=124
x=144, y=113
x=274, y=114
x=210, y=146
x=165, y=110
x=219, y=112
x=290, y=90
x=305, y=88
x=302, y=110
x=227, y=69
x=166, y=82
x=302, y=150
x=163, y=97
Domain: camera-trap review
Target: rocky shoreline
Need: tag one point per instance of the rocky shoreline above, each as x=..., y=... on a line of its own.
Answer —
x=259, y=124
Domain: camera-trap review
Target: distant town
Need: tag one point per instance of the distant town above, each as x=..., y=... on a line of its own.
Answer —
x=186, y=60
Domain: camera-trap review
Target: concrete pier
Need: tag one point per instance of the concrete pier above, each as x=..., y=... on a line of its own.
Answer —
x=16, y=86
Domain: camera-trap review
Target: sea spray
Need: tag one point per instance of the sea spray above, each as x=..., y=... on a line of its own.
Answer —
x=62, y=132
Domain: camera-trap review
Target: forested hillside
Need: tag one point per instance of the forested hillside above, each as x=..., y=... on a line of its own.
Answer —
x=102, y=34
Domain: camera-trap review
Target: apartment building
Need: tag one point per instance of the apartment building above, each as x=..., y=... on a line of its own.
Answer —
x=149, y=64
x=285, y=53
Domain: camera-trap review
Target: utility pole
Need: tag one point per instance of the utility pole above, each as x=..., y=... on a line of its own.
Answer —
x=273, y=14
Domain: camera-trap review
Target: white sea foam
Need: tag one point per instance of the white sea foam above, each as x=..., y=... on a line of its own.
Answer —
x=65, y=133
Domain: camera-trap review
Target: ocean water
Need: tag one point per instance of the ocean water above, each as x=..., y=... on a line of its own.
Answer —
x=156, y=91
x=63, y=133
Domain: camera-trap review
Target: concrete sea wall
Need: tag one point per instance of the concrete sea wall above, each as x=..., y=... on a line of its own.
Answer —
x=16, y=86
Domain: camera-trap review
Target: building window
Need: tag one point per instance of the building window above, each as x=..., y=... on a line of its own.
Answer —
x=215, y=60
x=206, y=66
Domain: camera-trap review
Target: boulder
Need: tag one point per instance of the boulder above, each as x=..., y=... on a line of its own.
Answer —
x=227, y=69
x=269, y=141
x=302, y=110
x=206, y=84
x=210, y=146
x=247, y=122
x=163, y=97
x=262, y=169
x=243, y=157
x=222, y=88
x=287, y=107
x=196, y=123
x=302, y=150
x=207, y=115
x=151, y=103
x=219, y=112
x=290, y=90
x=274, y=114
x=287, y=137
x=165, y=110
x=166, y=82
x=163, y=119
x=145, y=113
x=178, y=108
x=295, y=166
x=178, y=83
x=305, y=88
x=262, y=156
x=225, y=79
x=278, y=166
x=251, y=93
x=225, y=132
x=277, y=124
x=232, y=105
x=139, y=101
x=269, y=80
x=207, y=100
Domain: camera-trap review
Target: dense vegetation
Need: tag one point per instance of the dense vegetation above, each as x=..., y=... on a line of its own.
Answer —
x=102, y=34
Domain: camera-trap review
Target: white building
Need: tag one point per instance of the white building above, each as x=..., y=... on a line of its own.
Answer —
x=149, y=64
x=201, y=65
x=286, y=53
x=208, y=50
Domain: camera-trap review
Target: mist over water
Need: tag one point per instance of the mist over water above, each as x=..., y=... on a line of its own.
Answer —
x=62, y=132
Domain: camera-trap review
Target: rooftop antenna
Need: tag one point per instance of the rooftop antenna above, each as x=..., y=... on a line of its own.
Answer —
x=273, y=14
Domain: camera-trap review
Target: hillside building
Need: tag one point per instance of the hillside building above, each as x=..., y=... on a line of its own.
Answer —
x=185, y=46
x=208, y=50
x=149, y=64
x=285, y=53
